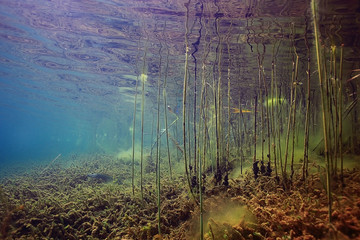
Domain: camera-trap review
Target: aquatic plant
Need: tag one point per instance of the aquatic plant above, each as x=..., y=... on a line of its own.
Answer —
x=133, y=130
x=185, y=86
x=218, y=103
x=158, y=143
x=203, y=116
x=307, y=114
x=255, y=168
x=323, y=101
x=165, y=110
x=143, y=78
x=228, y=105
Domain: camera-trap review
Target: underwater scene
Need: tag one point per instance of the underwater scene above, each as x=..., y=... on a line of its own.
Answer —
x=180, y=119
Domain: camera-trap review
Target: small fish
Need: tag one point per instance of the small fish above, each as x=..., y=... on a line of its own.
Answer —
x=170, y=109
x=143, y=78
x=175, y=111
x=101, y=177
x=237, y=110
x=274, y=102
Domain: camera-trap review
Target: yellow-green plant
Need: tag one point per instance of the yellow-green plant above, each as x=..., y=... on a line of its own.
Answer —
x=322, y=79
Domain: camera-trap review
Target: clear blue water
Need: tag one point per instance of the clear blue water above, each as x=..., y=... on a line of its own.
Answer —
x=60, y=82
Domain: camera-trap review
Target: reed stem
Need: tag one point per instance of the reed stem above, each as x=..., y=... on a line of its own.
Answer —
x=158, y=184
x=323, y=103
x=165, y=111
x=143, y=80
x=133, y=132
x=255, y=116
x=307, y=114
x=341, y=114
x=185, y=93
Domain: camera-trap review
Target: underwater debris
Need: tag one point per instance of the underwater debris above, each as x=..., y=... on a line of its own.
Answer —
x=8, y=219
x=50, y=163
x=256, y=169
x=262, y=168
x=268, y=169
x=100, y=177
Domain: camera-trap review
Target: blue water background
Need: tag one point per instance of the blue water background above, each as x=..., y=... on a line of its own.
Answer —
x=61, y=89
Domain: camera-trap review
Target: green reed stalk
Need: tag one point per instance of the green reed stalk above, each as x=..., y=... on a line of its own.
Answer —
x=194, y=123
x=143, y=80
x=243, y=132
x=273, y=117
x=307, y=114
x=133, y=140
x=268, y=125
x=228, y=99
x=292, y=88
x=295, y=83
x=328, y=113
x=218, y=115
x=201, y=181
x=279, y=114
x=206, y=132
x=340, y=114
x=329, y=110
x=294, y=117
x=152, y=134
x=185, y=93
x=260, y=59
x=133, y=132
x=165, y=111
x=189, y=138
x=158, y=145
x=203, y=113
x=176, y=137
x=240, y=137
x=214, y=137
x=255, y=115
x=262, y=118
x=218, y=105
x=334, y=106
x=323, y=102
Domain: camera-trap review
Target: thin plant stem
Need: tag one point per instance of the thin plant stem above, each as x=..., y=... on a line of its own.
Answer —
x=133, y=141
x=273, y=117
x=255, y=116
x=185, y=93
x=320, y=72
x=158, y=184
x=307, y=114
x=292, y=87
x=341, y=115
x=294, y=117
x=165, y=111
x=228, y=96
x=133, y=132
x=143, y=80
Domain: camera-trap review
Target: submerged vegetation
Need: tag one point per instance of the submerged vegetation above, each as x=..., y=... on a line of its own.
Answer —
x=63, y=202
x=262, y=144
